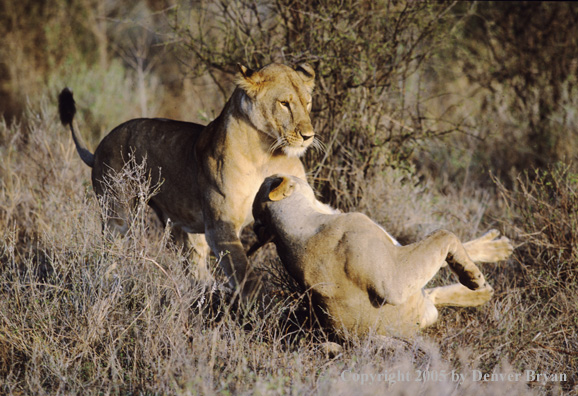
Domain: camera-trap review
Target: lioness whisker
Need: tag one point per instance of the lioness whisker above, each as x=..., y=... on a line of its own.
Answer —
x=318, y=145
x=279, y=142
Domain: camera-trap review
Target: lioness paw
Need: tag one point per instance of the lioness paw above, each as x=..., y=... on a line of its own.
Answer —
x=488, y=236
x=481, y=295
x=473, y=280
x=489, y=249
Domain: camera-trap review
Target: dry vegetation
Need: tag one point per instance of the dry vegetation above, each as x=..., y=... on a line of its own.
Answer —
x=434, y=115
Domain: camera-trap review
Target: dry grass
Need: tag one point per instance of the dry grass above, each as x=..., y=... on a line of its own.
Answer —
x=83, y=312
x=86, y=313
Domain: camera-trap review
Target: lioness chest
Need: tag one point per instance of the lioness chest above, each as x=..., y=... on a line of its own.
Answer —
x=237, y=182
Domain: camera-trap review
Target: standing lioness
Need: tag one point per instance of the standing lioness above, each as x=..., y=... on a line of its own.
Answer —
x=210, y=175
x=357, y=275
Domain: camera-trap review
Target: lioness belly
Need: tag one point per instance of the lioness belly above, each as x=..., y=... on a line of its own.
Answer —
x=185, y=214
x=167, y=149
x=356, y=314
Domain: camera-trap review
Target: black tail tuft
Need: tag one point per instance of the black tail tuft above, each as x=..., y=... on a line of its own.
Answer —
x=67, y=109
x=66, y=106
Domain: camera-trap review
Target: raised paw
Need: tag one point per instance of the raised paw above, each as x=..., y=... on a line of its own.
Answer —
x=473, y=280
x=488, y=249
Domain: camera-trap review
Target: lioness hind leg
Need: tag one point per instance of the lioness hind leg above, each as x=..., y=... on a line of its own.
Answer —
x=114, y=218
x=197, y=250
x=116, y=225
x=458, y=295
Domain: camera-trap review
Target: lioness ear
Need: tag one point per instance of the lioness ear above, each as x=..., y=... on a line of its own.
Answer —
x=282, y=190
x=248, y=80
x=245, y=71
x=307, y=73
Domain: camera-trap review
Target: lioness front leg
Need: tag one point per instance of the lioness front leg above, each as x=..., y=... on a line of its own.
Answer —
x=424, y=259
x=472, y=289
x=223, y=240
x=488, y=248
x=199, y=254
x=459, y=261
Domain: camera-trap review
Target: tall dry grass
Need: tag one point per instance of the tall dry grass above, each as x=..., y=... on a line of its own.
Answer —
x=83, y=312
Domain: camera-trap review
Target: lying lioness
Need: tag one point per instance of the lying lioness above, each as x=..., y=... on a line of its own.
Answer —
x=358, y=276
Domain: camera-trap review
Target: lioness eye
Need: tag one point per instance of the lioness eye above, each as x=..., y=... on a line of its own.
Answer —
x=284, y=103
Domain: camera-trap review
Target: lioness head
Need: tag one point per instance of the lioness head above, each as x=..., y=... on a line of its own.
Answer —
x=277, y=188
x=277, y=101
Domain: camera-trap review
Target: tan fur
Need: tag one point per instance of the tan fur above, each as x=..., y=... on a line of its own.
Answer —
x=211, y=175
x=359, y=278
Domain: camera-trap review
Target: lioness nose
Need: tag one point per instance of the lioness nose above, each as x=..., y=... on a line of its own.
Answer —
x=306, y=135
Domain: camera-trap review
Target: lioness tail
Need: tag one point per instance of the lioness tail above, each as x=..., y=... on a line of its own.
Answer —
x=67, y=110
